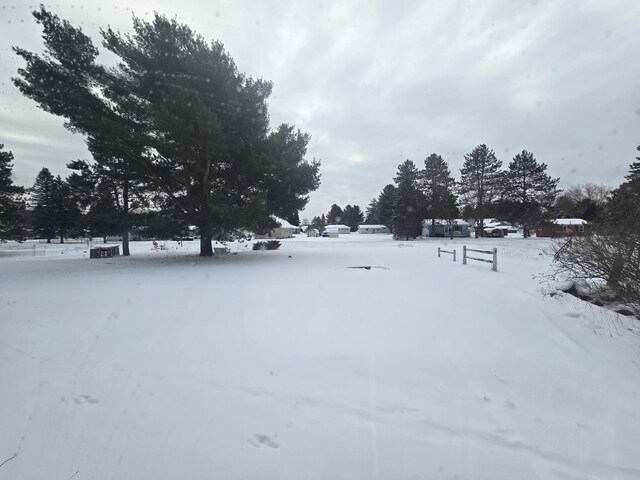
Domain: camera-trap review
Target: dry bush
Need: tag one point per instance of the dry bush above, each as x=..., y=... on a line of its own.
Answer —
x=607, y=260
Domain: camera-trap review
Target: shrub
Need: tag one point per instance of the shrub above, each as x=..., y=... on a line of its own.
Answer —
x=270, y=245
x=609, y=259
x=273, y=245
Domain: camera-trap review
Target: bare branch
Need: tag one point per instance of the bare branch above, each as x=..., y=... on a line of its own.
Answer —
x=10, y=458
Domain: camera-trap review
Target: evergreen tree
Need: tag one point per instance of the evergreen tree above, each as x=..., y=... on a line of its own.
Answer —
x=103, y=215
x=386, y=202
x=529, y=190
x=437, y=186
x=44, y=198
x=630, y=190
x=294, y=219
x=372, y=216
x=624, y=203
x=480, y=182
x=335, y=215
x=55, y=212
x=11, y=203
x=217, y=162
x=66, y=211
x=408, y=208
x=175, y=117
x=94, y=100
x=352, y=216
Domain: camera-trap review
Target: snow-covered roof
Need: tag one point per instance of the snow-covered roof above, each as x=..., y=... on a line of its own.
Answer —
x=335, y=227
x=495, y=223
x=372, y=226
x=440, y=221
x=284, y=223
x=569, y=221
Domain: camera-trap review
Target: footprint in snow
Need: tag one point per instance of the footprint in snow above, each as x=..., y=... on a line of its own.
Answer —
x=85, y=399
x=260, y=440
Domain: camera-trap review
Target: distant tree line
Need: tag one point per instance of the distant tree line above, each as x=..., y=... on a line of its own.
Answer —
x=523, y=193
x=177, y=134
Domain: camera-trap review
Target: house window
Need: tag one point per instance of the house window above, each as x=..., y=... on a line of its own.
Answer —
x=581, y=228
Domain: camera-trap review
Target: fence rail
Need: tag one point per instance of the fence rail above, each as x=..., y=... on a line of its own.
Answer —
x=450, y=252
x=493, y=261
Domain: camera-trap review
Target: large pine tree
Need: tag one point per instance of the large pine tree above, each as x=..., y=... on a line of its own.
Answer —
x=386, y=203
x=176, y=117
x=481, y=183
x=372, y=215
x=437, y=184
x=408, y=208
x=530, y=191
x=335, y=215
x=10, y=199
x=352, y=216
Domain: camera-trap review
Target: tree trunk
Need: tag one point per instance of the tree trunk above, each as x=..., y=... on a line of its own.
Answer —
x=61, y=238
x=125, y=242
x=206, y=249
x=48, y=240
x=125, y=211
x=104, y=238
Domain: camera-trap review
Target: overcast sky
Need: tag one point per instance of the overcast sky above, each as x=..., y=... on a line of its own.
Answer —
x=375, y=83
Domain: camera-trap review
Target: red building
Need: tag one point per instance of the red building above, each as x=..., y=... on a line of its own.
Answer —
x=562, y=227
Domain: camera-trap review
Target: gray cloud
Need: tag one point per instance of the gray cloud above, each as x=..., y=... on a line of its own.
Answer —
x=376, y=83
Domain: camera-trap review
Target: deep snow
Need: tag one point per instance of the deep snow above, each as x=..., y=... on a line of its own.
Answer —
x=288, y=365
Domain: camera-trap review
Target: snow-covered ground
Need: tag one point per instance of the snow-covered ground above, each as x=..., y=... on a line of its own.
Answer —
x=288, y=364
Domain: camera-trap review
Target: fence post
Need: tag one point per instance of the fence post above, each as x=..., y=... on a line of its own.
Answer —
x=464, y=254
x=454, y=254
x=495, y=260
x=438, y=252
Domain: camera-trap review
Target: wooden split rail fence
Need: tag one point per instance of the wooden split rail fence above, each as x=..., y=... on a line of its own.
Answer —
x=493, y=253
x=452, y=252
x=493, y=261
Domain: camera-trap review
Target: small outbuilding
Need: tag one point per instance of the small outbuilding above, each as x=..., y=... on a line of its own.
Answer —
x=562, y=227
x=445, y=228
x=373, y=229
x=283, y=230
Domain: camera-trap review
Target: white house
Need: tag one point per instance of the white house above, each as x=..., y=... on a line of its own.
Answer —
x=373, y=229
x=340, y=229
